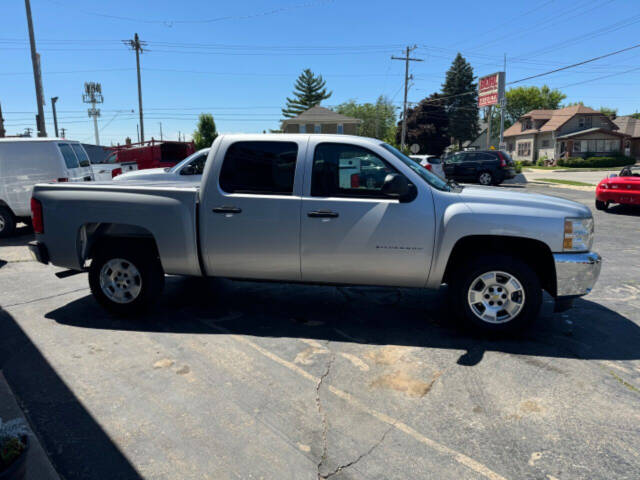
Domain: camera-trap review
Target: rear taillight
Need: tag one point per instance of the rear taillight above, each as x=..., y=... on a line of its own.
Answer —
x=115, y=172
x=62, y=179
x=503, y=162
x=428, y=167
x=355, y=180
x=36, y=216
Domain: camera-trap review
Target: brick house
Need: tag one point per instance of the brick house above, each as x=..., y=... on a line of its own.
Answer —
x=321, y=120
x=630, y=126
x=568, y=132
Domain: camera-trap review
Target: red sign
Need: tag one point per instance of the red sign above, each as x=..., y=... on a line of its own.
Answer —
x=490, y=89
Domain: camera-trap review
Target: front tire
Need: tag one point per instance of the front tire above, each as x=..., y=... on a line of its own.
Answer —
x=126, y=278
x=496, y=293
x=7, y=222
x=600, y=205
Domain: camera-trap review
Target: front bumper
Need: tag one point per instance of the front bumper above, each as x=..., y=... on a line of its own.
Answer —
x=576, y=273
x=39, y=251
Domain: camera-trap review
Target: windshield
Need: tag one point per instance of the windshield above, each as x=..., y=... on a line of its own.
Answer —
x=431, y=178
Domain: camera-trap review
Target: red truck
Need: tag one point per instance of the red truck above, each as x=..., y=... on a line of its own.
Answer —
x=153, y=153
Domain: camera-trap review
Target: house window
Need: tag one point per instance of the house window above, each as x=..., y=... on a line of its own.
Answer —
x=600, y=146
x=584, y=122
x=302, y=128
x=510, y=147
x=340, y=129
x=524, y=149
x=317, y=128
x=576, y=147
x=526, y=124
x=545, y=143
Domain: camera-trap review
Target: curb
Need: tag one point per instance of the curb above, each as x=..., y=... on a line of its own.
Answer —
x=560, y=185
x=38, y=465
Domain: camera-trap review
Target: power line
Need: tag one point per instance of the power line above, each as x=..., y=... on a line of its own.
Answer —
x=575, y=64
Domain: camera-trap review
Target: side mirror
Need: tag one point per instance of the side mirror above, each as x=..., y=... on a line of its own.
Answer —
x=397, y=186
x=188, y=170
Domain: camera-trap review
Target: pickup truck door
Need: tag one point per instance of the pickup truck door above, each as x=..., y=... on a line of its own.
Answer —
x=250, y=212
x=356, y=235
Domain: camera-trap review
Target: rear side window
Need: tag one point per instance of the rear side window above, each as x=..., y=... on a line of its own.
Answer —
x=83, y=159
x=259, y=167
x=70, y=159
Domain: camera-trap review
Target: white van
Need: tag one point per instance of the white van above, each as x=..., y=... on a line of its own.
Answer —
x=27, y=161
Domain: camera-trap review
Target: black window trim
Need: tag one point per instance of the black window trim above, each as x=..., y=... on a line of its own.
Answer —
x=252, y=192
x=362, y=193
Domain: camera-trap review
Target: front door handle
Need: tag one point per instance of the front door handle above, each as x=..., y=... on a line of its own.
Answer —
x=227, y=209
x=322, y=214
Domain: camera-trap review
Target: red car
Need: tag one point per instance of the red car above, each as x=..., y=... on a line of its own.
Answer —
x=623, y=188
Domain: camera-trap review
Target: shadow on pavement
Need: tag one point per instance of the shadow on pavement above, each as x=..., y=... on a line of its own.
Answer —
x=367, y=315
x=629, y=210
x=77, y=445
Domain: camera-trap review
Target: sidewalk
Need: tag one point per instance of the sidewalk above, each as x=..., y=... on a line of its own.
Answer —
x=593, y=178
x=38, y=465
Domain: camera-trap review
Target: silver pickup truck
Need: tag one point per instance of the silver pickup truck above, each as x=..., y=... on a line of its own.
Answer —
x=323, y=209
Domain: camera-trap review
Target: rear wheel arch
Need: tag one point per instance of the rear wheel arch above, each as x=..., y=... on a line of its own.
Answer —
x=536, y=254
x=93, y=237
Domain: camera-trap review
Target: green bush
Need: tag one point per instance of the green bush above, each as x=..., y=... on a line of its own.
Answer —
x=519, y=166
x=540, y=162
x=10, y=450
x=596, y=162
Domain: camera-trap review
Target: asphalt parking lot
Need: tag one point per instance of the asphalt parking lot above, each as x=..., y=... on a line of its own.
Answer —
x=264, y=381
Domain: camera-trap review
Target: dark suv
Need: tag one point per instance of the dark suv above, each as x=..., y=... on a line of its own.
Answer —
x=486, y=167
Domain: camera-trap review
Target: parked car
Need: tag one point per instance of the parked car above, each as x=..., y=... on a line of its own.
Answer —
x=273, y=207
x=431, y=163
x=154, y=153
x=27, y=161
x=189, y=170
x=486, y=167
x=623, y=188
x=109, y=168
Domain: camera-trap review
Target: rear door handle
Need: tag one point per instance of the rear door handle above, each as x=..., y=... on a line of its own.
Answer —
x=322, y=214
x=227, y=209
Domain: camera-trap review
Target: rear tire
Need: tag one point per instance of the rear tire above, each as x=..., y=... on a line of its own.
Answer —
x=600, y=205
x=485, y=178
x=126, y=278
x=507, y=280
x=7, y=222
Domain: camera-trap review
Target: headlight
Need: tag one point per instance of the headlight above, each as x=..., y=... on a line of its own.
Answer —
x=578, y=234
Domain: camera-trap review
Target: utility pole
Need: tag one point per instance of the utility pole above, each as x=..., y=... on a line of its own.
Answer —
x=488, y=126
x=93, y=94
x=55, y=117
x=407, y=77
x=160, y=130
x=63, y=130
x=3, y=132
x=138, y=132
x=137, y=45
x=37, y=74
x=503, y=106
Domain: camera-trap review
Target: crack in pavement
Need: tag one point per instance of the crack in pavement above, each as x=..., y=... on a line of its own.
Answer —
x=45, y=298
x=323, y=416
x=360, y=457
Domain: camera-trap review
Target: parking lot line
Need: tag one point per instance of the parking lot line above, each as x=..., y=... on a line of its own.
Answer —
x=347, y=397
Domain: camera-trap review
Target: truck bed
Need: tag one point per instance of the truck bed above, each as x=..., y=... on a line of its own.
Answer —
x=164, y=212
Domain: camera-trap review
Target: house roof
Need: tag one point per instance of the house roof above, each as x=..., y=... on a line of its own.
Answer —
x=591, y=130
x=555, y=119
x=320, y=114
x=628, y=125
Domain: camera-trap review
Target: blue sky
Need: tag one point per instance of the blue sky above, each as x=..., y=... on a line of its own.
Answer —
x=239, y=60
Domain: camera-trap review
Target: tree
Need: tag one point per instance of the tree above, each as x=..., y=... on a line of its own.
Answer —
x=428, y=125
x=461, y=100
x=377, y=118
x=609, y=112
x=206, y=132
x=636, y=115
x=309, y=90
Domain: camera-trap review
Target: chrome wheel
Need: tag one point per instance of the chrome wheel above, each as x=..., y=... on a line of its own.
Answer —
x=3, y=223
x=120, y=280
x=485, y=178
x=496, y=297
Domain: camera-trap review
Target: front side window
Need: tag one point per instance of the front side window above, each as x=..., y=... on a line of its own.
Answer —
x=70, y=159
x=341, y=170
x=195, y=166
x=83, y=159
x=266, y=168
x=431, y=178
